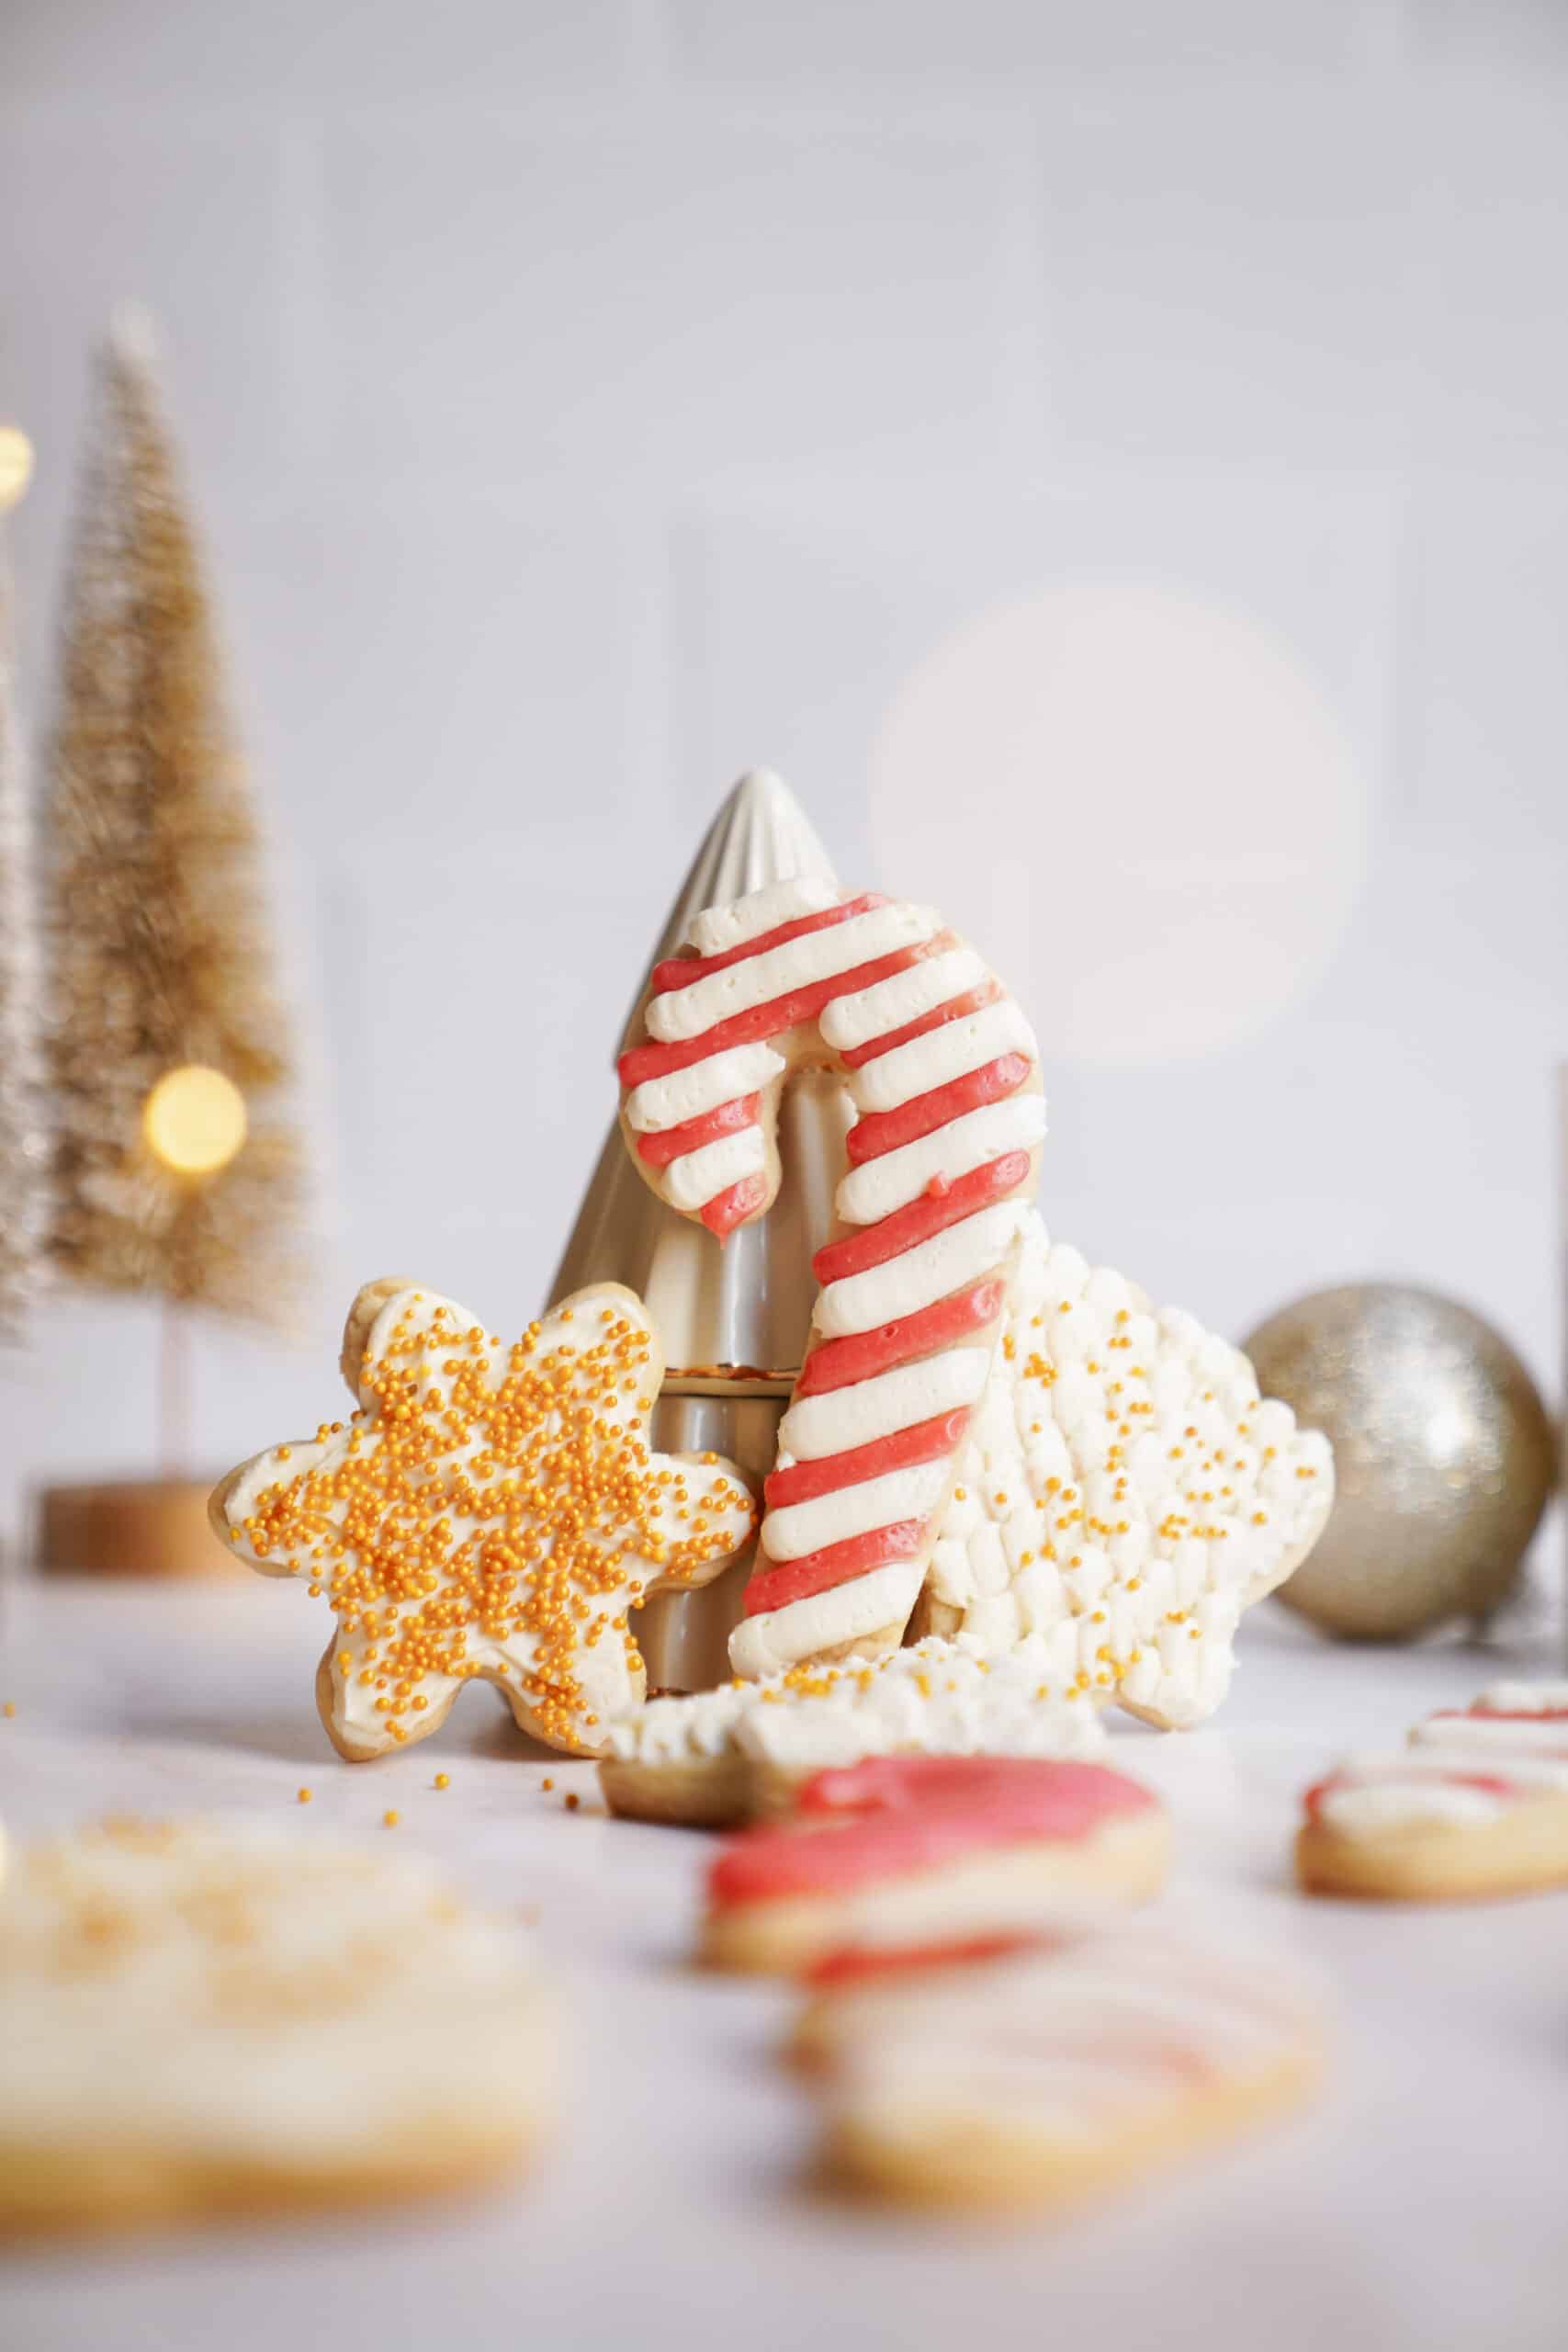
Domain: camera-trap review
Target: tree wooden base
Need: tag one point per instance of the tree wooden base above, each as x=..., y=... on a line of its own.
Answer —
x=130, y=1527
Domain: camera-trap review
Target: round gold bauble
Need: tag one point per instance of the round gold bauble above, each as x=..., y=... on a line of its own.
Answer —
x=194, y=1120
x=16, y=465
x=1444, y=1456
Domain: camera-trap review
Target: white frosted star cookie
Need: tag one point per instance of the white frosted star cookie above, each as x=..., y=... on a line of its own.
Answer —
x=1123, y=1493
x=747, y=1748
x=488, y=1511
x=207, y=2020
x=1474, y=1804
x=1048, y=2074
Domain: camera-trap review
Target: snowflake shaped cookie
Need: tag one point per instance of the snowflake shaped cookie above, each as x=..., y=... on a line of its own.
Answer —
x=1124, y=1490
x=488, y=1510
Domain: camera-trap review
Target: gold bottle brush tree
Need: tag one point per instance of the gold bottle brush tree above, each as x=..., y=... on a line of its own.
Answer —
x=176, y=1173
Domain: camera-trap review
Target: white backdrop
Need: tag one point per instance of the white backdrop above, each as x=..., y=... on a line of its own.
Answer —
x=1114, y=461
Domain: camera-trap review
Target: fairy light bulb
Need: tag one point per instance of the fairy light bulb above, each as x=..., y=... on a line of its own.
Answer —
x=15, y=466
x=194, y=1120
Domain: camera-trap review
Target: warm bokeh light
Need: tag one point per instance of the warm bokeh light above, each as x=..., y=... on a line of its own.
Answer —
x=194, y=1120
x=16, y=465
x=1141, y=805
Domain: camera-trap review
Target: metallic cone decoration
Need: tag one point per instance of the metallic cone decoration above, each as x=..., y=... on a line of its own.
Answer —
x=734, y=1317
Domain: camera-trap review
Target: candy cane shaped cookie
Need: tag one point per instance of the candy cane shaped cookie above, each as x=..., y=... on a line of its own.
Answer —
x=944, y=1075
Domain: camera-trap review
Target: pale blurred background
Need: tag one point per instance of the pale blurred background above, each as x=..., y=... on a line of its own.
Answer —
x=1113, y=460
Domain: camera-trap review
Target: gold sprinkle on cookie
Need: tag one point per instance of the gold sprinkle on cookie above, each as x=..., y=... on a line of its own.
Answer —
x=491, y=1510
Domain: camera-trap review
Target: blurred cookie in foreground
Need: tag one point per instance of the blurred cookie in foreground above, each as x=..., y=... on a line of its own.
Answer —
x=1054, y=2070
x=1475, y=1804
x=932, y=1849
x=209, y=2019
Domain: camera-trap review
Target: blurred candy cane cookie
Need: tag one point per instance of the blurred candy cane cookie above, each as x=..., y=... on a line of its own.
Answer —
x=1475, y=1804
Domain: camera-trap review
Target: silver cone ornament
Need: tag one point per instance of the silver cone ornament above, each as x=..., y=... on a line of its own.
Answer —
x=733, y=1317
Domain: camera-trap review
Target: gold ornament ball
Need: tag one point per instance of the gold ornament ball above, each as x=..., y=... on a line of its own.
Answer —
x=1444, y=1456
x=194, y=1120
x=16, y=465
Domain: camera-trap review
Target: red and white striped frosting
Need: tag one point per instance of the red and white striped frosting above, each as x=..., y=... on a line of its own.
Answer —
x=1458, y=1767
x=942, y=1069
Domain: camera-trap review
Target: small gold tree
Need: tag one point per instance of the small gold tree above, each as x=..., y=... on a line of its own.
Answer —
x=174, y=1172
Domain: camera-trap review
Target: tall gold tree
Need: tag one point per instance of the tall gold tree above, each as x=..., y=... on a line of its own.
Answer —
x=158, y=933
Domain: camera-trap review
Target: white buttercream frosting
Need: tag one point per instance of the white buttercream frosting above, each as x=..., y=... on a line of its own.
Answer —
x=1506, y=1738
x=879, y=1186
x=941, y=1055
x=686, y=1012
x=846, y=1612
x=697, y=1175
x=1122, y=1487
x=1062, y=2040
x=719, y=929
x=670, y=1102
x=850, y=1021
x=804, y=1528
x=848, y=1418
x=1437, y=1776
x=1526, y=1697
x=677, y=1731
x=1364, y=1808
x=917, y=1278
x=936, y=1698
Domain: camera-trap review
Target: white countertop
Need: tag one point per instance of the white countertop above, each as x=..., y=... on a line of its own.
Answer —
x=1423, y=2200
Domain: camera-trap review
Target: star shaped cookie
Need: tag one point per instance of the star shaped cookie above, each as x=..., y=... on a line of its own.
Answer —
x=488, y=1511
